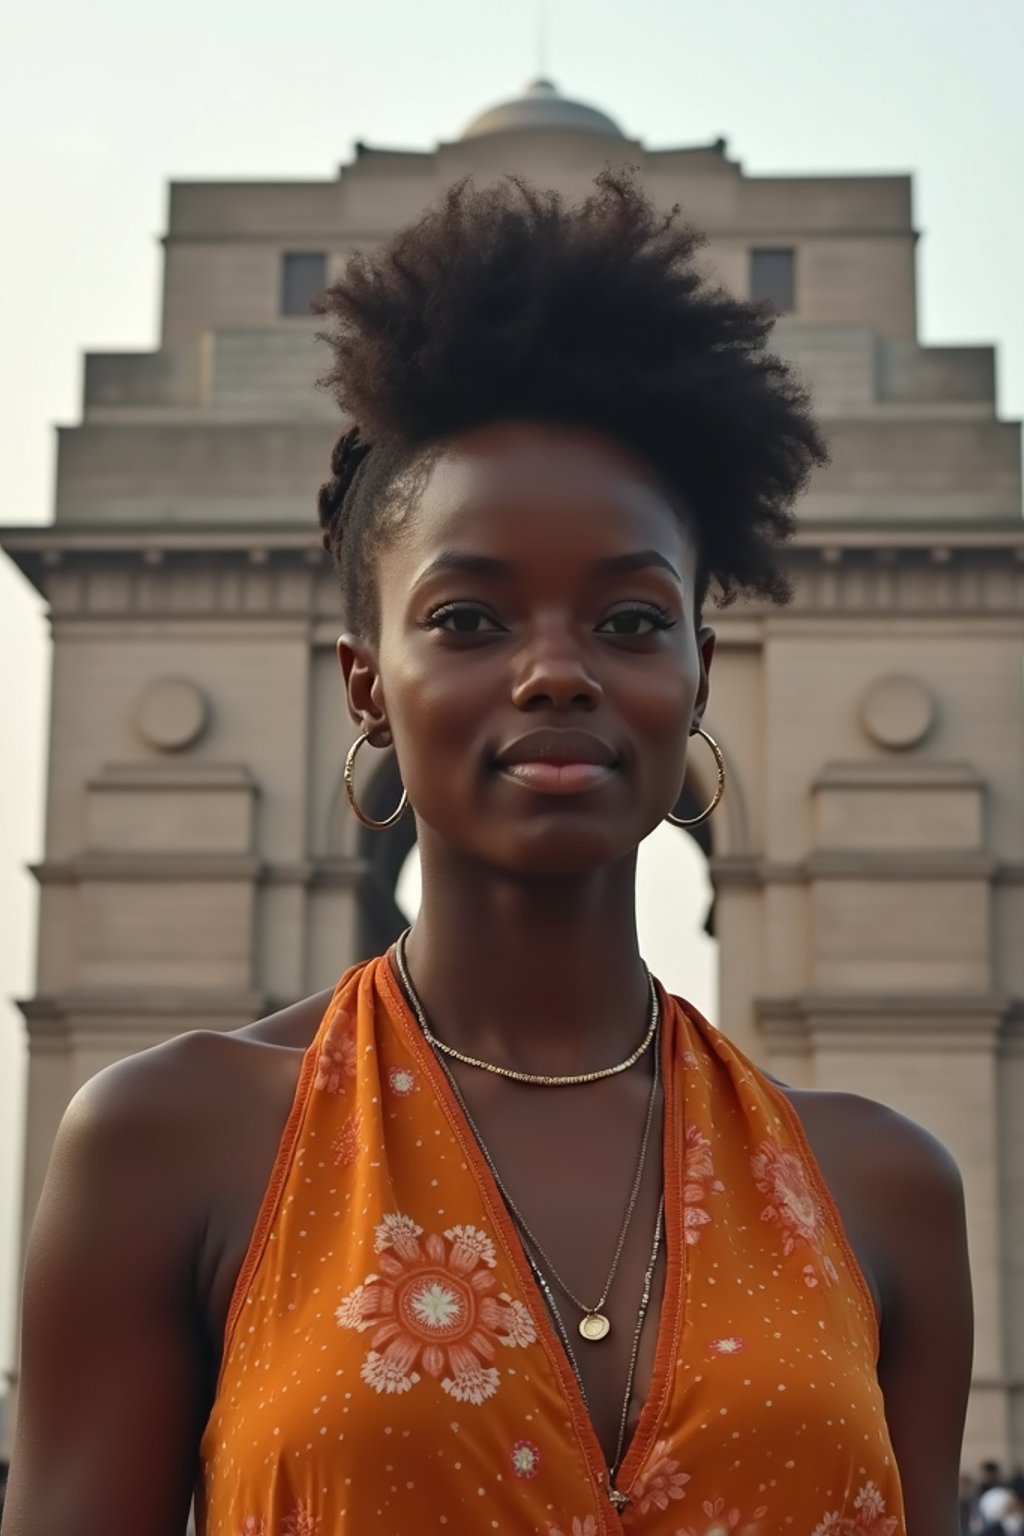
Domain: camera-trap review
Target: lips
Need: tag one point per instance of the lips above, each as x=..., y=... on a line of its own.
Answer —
x=558, y=762
x=557, y=748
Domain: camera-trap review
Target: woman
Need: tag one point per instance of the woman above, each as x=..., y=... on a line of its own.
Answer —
x=497, y=1235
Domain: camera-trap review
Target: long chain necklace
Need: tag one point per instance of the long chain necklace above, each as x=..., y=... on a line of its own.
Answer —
x=538, y=1079
x=594, y=1324
x=618, y=1499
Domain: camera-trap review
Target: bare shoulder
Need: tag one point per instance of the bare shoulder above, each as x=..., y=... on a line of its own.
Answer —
x=152, y=1089
x=178, y=1083
x=155, y=1110
x=887, y=1152
x=896, y=1185
x=143, y=1111
x=193, y=1113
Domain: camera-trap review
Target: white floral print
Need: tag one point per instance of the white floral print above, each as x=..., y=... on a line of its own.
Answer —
x=869, y=1517
x=470, y=1242
x=337, y=1064
x=525, y=1459
x=431, y=1309
x=698, y=1183
x=396, y=1232
x=793, y=1207
x=725, y=1521
x=731, y=1345
x=581, y=1526
x=301, y=1522
x=660, y=1481
x=402, y=1080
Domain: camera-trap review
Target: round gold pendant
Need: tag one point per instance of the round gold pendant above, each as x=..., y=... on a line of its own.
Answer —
x=594, y=1326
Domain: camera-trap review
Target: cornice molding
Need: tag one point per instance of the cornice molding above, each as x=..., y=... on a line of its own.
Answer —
x=889, y=774
x=879, y=1022
x=119, y=1019
x=868, y=1005
x=279, y=574
x=147, y=868
x=753, y=873
x=150, y=865
x=911, y=864
x=204, y=777
x=727, y=872
x=53, y=1010
x=257, y=540
x=166, y=868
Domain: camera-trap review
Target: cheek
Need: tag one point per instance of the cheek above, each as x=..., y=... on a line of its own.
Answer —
x=657, y=712
x=438, y=692
x=657, y=697
x=439, y=704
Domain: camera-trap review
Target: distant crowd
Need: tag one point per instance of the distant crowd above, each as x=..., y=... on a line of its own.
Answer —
x=992, y=1504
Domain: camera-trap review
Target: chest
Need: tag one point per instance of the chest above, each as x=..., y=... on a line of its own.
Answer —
x=584, y=1188
x=392, y=1307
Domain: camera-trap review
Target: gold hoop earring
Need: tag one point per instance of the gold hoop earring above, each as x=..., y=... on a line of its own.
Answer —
x=350, y=790
x=695, y=821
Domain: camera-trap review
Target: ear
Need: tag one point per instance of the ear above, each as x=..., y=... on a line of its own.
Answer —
x=364, y=689
x=706, y=647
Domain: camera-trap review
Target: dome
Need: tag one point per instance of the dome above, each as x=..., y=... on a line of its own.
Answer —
x=542, y=106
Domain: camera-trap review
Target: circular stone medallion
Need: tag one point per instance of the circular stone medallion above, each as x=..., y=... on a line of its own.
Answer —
x=898, y=711
x=170, y=713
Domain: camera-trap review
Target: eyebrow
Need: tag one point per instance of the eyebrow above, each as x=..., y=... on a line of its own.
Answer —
x=486, y=565
x=473, y=565
x=643, y=558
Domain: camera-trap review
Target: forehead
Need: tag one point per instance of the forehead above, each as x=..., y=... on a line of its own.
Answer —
x=528, y=492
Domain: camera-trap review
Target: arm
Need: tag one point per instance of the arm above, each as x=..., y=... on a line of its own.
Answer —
x=113, y=1358
x=927, y=1318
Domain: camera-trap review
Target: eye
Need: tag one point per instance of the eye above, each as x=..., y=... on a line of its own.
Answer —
x=462, y=619
x=636, y=621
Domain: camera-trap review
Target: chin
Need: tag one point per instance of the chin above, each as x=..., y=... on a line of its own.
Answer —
x=555, y=849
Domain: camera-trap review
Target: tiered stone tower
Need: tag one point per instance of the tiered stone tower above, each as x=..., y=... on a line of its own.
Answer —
x=869, y=858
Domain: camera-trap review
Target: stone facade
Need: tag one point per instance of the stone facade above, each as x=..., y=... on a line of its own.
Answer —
x=869, y=857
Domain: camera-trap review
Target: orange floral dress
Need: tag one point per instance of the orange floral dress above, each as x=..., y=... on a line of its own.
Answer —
x=389, y=1364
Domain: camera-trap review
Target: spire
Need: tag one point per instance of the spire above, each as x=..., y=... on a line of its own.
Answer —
x=542, y=39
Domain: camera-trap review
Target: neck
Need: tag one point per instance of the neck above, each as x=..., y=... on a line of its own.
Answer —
x=537, y=974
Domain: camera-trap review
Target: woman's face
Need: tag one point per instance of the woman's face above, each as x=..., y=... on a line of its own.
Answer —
x=537, y=666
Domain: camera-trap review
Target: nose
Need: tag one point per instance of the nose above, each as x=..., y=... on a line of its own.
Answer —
x=554, y=673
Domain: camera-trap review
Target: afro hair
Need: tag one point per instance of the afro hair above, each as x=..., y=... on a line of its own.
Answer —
x=506, y=302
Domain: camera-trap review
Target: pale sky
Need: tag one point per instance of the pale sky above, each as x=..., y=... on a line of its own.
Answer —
x=104, y=103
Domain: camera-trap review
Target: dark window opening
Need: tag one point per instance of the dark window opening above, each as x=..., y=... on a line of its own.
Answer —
x=303, y=278
x=772, y=279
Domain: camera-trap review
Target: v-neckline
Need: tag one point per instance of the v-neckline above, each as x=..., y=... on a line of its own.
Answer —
x=670, y=1319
